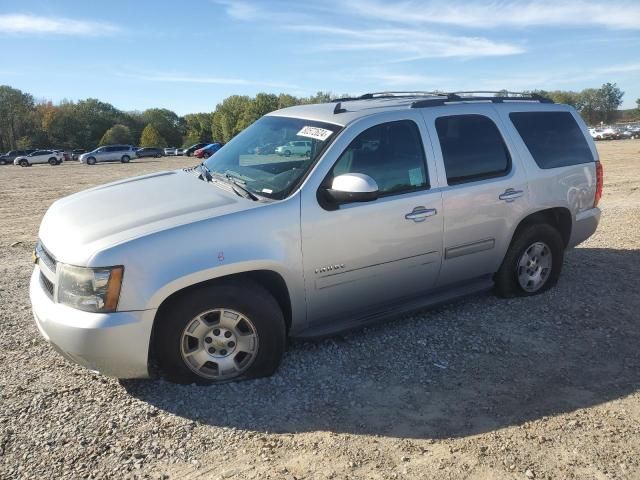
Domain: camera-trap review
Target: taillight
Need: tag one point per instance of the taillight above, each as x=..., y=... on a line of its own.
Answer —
x=599, y=183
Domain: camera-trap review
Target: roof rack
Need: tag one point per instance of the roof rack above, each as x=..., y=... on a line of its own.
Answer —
x=390, y=94
x=471, y=96
x=444, y=98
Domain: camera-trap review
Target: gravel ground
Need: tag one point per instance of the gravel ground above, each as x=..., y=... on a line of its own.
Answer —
x=483, y=388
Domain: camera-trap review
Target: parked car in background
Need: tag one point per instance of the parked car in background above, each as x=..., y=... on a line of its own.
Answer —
x=602, y=133
x=76, y=152
x=296, y=147
x=170, y=151
x=149, y=152
x=180, y=151
x=65, y=154
x=196, y=146
x=108, y=153
x=52, y=157
x=266, y=149
x=10, y=156
x=208, y=150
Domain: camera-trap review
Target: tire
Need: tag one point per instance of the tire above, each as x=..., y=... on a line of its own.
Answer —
x=91, y=161
x=23, y=163
x=173, y=346
x=287, y=153
x=3, y=162
x=125, y=159
x=157, y=156
x=533, y=240
x=53, y=161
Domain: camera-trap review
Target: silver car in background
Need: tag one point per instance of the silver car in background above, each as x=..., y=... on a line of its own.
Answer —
x=403, y=201
x=109, y=153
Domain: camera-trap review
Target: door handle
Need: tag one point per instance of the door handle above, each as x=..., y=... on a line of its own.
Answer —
x=510, y=195
x=420, y=214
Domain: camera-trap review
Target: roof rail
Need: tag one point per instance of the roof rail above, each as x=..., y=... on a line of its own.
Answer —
x=389, y=94
x=499, y=97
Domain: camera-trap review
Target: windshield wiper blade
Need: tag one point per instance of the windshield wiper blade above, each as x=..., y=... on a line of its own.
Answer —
x=237, y=185
x=242, y=191
x=205, y=173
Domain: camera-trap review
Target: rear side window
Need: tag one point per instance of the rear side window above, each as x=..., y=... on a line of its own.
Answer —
x=390, y=153
x=553, y=138
x=472, y=148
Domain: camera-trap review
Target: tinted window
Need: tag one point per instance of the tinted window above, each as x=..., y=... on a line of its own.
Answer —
x=472, y=148
x=391, y=154
x=553, y=138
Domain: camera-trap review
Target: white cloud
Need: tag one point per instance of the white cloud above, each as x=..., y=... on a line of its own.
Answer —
x=408, y=43
x=624, y=14
x=624, y=68
x=30, y=24
x=171, y=77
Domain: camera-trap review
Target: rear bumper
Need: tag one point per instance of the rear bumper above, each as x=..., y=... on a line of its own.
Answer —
x=584, y=226
x=114, y=344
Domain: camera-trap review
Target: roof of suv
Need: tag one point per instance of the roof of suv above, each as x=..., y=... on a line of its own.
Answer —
x=343, y=111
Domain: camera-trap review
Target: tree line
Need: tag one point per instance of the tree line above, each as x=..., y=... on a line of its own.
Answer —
x=28, y=122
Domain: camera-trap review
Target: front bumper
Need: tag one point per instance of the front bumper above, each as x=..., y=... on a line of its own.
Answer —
x=114, y=344
x=584, y=226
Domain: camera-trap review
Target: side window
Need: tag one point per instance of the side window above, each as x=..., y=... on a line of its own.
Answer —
x=472, y=148
x=390, y=153
x=553, y=138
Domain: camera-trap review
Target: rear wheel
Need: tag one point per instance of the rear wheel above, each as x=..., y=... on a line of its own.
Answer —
x=53, y=161
x=533, y=262
x=3, y=161
x=287, y=153
x=23, y=163
x=220, y=333
x=125, y=159
x=91, y=161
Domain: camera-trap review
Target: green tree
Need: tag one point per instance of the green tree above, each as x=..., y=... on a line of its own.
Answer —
x=168, y=123
x=197, y=128
x=118, y=134
x=638, y=104
x=151, y=137
x=610, y=100
x=230, y=117
x=16, y=116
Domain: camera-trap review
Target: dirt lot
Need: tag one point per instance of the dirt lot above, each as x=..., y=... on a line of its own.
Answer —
x=543, y=387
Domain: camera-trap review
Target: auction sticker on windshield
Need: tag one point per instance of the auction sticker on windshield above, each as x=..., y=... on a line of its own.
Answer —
x=316, y=133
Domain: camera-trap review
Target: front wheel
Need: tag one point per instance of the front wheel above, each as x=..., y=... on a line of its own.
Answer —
x=533, y=262
x=220, y=333
x=125, y=159
x=91, y=161
x=23, y=163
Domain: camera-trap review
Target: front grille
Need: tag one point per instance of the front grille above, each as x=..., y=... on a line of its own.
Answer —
x=45, y=257
x=47, y=285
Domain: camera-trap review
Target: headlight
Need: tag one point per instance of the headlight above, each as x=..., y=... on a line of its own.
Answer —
x=89, y=289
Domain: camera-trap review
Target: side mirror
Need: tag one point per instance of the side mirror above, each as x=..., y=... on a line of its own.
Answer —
x=353, y=187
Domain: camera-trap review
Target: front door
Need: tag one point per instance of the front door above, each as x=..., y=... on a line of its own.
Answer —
x=360, y=257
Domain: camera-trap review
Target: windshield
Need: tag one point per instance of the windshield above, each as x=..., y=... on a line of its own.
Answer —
x=273, y=154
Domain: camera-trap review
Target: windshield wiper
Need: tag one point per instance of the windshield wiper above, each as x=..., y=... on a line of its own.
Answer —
x=237, y=184
x=242, y=191
x=205, y=173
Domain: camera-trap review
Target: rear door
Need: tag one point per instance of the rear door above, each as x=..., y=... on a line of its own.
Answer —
x=361, y=257
x=485, y=192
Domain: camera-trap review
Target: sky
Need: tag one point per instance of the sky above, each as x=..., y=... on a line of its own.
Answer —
x=189, y=55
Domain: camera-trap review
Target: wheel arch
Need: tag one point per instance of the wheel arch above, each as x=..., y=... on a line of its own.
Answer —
x=558, y=217
x=270, y=280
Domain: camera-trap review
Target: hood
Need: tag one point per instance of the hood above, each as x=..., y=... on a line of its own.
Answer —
x=78, y=226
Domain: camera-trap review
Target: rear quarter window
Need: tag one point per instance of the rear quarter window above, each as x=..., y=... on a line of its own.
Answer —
x=553, y=139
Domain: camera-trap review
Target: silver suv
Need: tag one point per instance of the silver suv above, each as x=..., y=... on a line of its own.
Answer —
x=404, y=201
x=109, y=153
